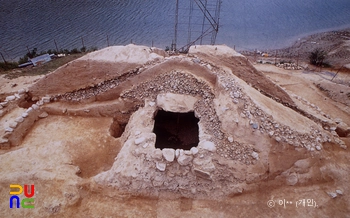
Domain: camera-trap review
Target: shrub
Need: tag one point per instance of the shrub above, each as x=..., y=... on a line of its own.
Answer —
x=8, y=65
x=23, y=60
x=94, y=48
x=33, y=53
x=74, y=51
x=317, y=57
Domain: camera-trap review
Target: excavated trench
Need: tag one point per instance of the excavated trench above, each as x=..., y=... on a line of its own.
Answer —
x=176, y=130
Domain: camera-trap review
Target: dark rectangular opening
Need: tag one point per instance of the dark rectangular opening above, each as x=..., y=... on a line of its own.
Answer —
x=176, y=130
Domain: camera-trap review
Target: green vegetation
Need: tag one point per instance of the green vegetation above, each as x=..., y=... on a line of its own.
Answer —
x=8, y=66
x=317, y=57
x=43, y=69
x=34, y=53
x=47, y=67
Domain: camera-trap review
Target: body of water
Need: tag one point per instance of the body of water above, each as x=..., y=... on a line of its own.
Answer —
x=245, y=24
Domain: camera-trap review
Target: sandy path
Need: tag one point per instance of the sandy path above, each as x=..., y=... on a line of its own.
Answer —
x=303, y=85
x=8, y=86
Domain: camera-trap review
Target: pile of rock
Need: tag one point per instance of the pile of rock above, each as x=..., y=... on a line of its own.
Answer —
x=13, y=134
x=335, y=126
x=260, y=121
x=94, y=90
x=289, y=66
x=182, y=83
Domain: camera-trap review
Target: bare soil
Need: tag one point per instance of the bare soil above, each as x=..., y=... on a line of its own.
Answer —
x=61, y=153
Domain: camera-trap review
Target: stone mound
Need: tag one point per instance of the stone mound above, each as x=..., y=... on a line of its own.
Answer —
x=249, y=129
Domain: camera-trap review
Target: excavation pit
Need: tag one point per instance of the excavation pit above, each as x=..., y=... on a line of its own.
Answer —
x=176, y=130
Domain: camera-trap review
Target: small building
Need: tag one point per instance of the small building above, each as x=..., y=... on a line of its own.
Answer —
x=40, y=59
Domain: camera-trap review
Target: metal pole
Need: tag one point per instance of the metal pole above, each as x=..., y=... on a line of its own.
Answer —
x=82, y=41
x=205, y=11
x=298, y=60
x=216, y=20
x=189, y=23
x=337, y=73
x=3, y=58
x=276, y=57
x=56, y=45
x=176, y=23
x=255, y=55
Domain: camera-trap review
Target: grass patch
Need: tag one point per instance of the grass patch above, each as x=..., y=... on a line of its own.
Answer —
x=7, y=66
x=42, y=69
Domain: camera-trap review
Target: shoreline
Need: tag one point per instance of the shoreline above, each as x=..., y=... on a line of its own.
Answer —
x=335, y=43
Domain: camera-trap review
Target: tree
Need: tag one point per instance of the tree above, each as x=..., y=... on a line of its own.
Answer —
x=317, y=57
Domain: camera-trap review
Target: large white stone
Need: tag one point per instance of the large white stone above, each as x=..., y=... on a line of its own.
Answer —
x=19, y=119
x=4, y=104
x=161, y=166
x=255, y=155
x=205, y=164
x=13, y=125
x=140, y=140
x=177, y=153
x=202, y=174
x=339, y=192
x=184, y=159
x=230, y=139
x=207, y=145
x=292, y=179
x=168, y=154
x=10, y=98
x=46, y=99
x=40, y=103
x=157, y=154
x=2, y=140
x=194, y=150
x=187, y=152
x=43, y=115
x=332, y=194
x=8, y=129
x=25, y=114
x=30, y=109
x=176, y=102
x=21, y=91
x=35, y=107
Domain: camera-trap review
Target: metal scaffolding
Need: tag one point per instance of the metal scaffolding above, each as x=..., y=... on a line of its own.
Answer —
x=202, y=21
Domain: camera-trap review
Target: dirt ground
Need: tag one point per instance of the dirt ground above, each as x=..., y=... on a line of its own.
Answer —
x=10, y=86
x=63, y=152
x=306, y=84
